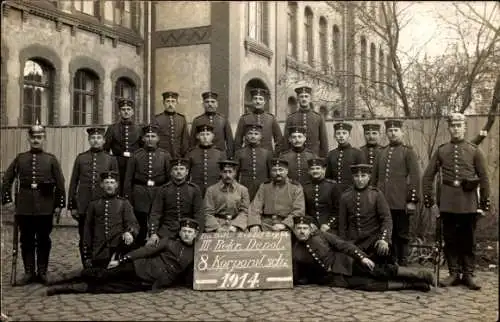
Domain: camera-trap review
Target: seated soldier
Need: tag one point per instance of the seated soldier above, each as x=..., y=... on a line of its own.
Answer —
x=364, y=216
x=110, y=225
x=277, y=201
x=226, y=202
x=146, y=268
x=323, y=258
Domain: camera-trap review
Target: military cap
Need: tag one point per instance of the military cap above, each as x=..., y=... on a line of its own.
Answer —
x=298, y=220
x=179, y=162
x=316, y=161
x=371, y=127
x=303, y=89
x=253, y=126
x=109, y=175
x=189, y=223
x=170, y=94
x=297, y=129
x=363, y=168
x=150, y=128
x=259, y=92
x=210, y=94
x=96, y=130
x=125, y=101
x=37, y=128
x=276, y=162
x=224, y=163
x=342, y=126
x=393, y=123
x=204, y=127
x=456, y=117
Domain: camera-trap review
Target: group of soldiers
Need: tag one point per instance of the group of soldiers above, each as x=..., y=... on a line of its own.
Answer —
x=142, y=194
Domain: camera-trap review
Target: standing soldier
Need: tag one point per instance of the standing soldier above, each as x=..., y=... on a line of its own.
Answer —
x=123, y=138
x=253, y=160
x=372, y=146
x=298, y=155
x=397, y=174
x=341, y=158
x=147, y=170
x=40, y=195
x=270, y=127
x=305, y=116
x=174, y=135
x=204, y=158
x=84, y=184
x=463, y=170
x=222, y=129
x=322, y=196
x=178, y=199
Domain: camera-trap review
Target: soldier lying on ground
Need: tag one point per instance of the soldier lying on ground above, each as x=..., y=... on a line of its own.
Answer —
x=325, y=259
x=143, y=269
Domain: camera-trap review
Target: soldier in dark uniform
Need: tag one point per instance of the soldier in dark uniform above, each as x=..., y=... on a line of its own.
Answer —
x=277, y=201
x=372, y=146
x=254, y=162
x=146, y=268
x=312, y=121
x=397, y=174
x=463, y=170
x=147, y=170
x=178, y=199
x=298, y=155
x=204, y=158
x=84, y=185
x=341, y=158
x=325, y=259
x=40, y=195
x=222, y=129
x=110, y=225
x=174, y=136
x=365, y=217
x=322, y=196
x=123, y=138
x=270, y=127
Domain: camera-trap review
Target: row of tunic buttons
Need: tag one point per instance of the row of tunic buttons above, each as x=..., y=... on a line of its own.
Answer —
x=371, y=155
x=150, y=165
x=311, y=251
x=254, y=164
x=339, y=167
x=299, y=166
x=33, y=173
x=94, y=165
x=358, y=212
x=106, y=218
x=316, y=199
x=126, y=137
x=388, y=164
x=172, y=130
x=455, y=160
x=178, y=202
x=205, y=167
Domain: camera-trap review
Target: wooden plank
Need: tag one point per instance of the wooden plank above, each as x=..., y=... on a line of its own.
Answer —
x=231, y=261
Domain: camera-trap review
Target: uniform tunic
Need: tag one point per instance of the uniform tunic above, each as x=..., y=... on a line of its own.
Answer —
x=339, y=161
x=397, y=174
x=317, y=137
x=297, y=164
x=364, y=217
x=173, y=202
x=370, y=152
x=204, y=168
x=223, y=138
x=254, y=167
x=277, y=204
x=270, y=130
x=85, y=180
x=174, y=136
x=107, y=219
x=226, y=205
x=322, y=202
x=147, y=170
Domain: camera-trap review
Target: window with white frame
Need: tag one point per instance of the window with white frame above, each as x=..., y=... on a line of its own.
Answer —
x=258, y=12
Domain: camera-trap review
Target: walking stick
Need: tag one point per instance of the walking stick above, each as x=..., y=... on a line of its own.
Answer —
x=439, y=232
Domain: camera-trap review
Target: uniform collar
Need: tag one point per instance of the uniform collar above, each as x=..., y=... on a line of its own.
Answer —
x=371, y=145
x=205, y=147
x=361, y=190
x=210, y=113
x=179, y=183
x=298, y=149
x=317, y=181
x=344, y=146
x=226, y=188
x=150, y=149
x=258, y=111
x=126, y=122
x=395, y=143
x=304, y=109
x=169, y=113
x=95, y=150
x=106, y=196
x=284, y=182
x=455, y=141
x=36, y=151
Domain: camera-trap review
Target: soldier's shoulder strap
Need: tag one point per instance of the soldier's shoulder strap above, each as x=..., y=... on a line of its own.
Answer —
x=268, y=181
x=471, y=144
x=192, y=184
x=330, y=180
x=309, y=151
x=374, y=188
x=269, y=113
x=180, y=114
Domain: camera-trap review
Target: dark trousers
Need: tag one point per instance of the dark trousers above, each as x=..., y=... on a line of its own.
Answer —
x=122, y=168
x=35, y=241
x=142, y=218
x=400, y=235
x=459, y=241
x=81, y=226
x=121, y=279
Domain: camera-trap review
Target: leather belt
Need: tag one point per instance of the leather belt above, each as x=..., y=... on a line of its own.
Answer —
x=35, y=186
x=452, y=183
x=148, y=183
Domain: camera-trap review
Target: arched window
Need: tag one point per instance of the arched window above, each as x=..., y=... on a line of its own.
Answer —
x=308, y=33
x=38, y=91
x=373, y=61
x=124, y=88
x=363, y=54
x=292, y=29
x=258, y=21
x=323, y=43
x=336, y=47
x=85, y=97
x=381, y=77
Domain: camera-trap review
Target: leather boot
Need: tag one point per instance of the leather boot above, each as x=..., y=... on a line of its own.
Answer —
x=28, y=278
x=29, y=268
x=67, y=289
x=402, y=285
x=42, y=261
x=469, y=281
x=452, y=280
x=413, y=275
x=468, y=266
x=403, y=250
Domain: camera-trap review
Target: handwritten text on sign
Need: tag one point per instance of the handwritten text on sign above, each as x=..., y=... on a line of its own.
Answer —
x=225, y=261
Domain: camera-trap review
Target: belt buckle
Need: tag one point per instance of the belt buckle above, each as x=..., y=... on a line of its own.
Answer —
x=126, y=154
x=151, y=183
x=34, y=186
x=456, y=183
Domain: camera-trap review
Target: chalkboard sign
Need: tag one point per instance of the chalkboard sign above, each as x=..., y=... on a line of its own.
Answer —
x=235, y=261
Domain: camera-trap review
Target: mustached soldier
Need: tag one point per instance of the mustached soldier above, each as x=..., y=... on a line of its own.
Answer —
x=372, y=138
x=298, y=155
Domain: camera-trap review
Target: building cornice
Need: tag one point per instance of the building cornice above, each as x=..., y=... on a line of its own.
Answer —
x=310, y=71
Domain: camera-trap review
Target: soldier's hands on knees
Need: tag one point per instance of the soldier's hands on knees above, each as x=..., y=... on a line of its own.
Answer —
x=368, y=263
x=153, y=240
x=57, y=211
x=382, y=247
x=113, y=264
x=74, y=214
x=9, y=206
x=87, y=263
x=128, y=238
x=278, y=227
x=325, y=227
x=254, y=229
x=411, y=207
x=233, y=229
x=481, y=213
